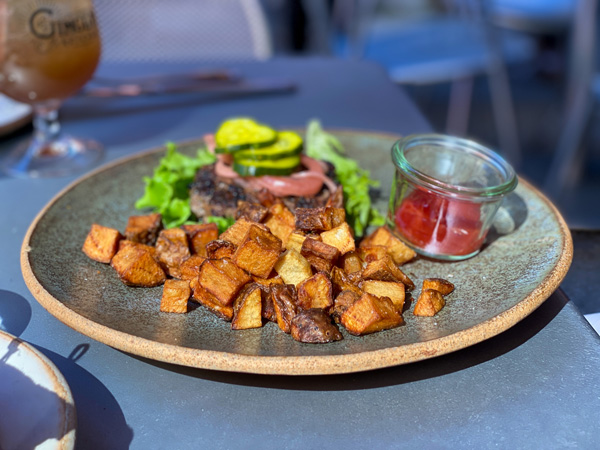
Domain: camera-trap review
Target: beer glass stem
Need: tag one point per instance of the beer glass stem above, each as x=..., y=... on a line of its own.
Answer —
x=46, y=129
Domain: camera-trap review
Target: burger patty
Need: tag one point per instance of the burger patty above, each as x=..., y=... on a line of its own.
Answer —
x=211, y=195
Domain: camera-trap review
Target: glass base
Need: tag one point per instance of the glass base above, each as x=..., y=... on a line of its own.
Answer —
x=61, y=157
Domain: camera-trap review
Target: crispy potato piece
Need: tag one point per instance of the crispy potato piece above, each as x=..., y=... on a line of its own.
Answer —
x=370, y=253
x=295, y=240
x=223, y=279
x=268, y=309
x=272, y=279
x=254, y=212
x=173, y=248
x=369, y=314
x=102, y=243
x=280, y=221
x=152, y=250
x=314, y=326
x=144, y=229
x=322, y=257
x=444, y=287
x=351, y=262
x=219, y=249
x=319, y=219
x=202, y=296
x=237, y=232
x=190, y=268
x=340, y=237
x=342, y=302
x=336, y=200
x=341, y=282
x=284, y=298
x=429, y=303
x=398, y=250
x=384, y=269
x=293, y=268
x=136, y=267
x=175, y=296
x=199, y=235
x=247, y=308
x=391, y=289
x=258, y=252
x=316, y=292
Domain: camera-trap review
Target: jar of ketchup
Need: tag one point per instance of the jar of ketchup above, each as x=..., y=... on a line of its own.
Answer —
x=445, y=194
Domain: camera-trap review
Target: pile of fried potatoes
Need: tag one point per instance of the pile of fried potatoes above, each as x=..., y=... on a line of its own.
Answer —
x=301, y=270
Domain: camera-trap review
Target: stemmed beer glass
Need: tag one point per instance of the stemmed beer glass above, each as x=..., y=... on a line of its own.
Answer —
x=48, y=50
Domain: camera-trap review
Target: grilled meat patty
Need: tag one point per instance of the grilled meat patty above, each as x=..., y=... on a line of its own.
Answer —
x=211, y=195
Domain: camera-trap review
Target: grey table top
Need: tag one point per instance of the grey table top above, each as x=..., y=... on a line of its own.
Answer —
x=537, y=385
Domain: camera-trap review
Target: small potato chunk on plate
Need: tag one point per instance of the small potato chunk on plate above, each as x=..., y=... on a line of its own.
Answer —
x=444, y=287
x=429, y=303
x=247, y=308
x=398, y=250
x=102, y=243
x=284, y=303
x=175, y=296
x=316, y=292
x=258, y=252
x=223, y=279
x=136, y=267
x=144, y=229
x=340, y=237
x=173, y=248
x=369, y=314
x=384, y=269
x=393, y=290
x=199, y=235
x=293, y=268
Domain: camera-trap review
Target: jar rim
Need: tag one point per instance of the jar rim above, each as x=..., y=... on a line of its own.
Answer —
x=473, y=148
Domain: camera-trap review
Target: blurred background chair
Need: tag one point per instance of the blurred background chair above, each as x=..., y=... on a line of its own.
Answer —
x=452, y=45
x=183, y=30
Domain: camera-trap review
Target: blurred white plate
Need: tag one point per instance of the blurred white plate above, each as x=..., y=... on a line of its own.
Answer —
x=36, y=406
x=13, y=115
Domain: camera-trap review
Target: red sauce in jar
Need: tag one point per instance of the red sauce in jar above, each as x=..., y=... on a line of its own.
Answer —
x=440, y=225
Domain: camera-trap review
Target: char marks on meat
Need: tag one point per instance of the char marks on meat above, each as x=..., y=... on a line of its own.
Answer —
x=211, y=195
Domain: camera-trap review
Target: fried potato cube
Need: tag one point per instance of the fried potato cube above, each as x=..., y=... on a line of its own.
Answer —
x=254, y=212
x=369, y=253
x=316, y=292
x=295, y=240
x=351, y=262
x=101, y=243
x=284, y=298
x=394, y=291
x=280, y=221
x=247, y=308
x=429, y=303
x=202, y=296
x=293, y=268
x=127, y=243
x=321, y=256
x=136, y=267
x=190, y=268
x=319, y=219
x=369, y=314
x=341, y=282
x=398, y=250
x=314, y=326
x=384, y=269
x=336, y=200
x=222, y=278
x=144, y=229
x=237, y=232
x=342, y=302
x=340, y=237
x=173, y=248
x=444, y=287
x=219, y=249
x=199, y=235
x=258, y=252
x=175, y=296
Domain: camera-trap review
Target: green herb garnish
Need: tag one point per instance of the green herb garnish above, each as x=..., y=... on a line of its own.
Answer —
x=167, y=191
x=355, y=181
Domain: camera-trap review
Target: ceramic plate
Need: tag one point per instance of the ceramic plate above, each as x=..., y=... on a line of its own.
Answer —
x=36, y=407
x=13, y=115
x=509, y=279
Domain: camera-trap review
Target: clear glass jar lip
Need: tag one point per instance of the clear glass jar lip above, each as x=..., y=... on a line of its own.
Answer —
x=472, y=147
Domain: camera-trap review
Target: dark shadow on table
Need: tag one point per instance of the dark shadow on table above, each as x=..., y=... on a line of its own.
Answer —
x=100, y=420
x=15, y=312
x=408, y=373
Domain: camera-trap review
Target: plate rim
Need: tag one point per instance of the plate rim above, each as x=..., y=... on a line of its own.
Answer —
x=294, y=365
x=61, y=388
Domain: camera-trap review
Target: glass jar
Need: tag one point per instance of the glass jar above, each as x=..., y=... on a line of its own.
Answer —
x=445, y=194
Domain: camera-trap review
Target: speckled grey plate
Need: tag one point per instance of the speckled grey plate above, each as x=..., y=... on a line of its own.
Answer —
x=496, y=289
